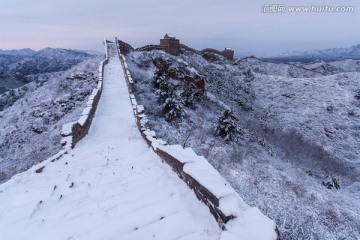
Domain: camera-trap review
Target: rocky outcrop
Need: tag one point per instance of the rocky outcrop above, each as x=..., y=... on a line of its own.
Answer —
x=181, y=71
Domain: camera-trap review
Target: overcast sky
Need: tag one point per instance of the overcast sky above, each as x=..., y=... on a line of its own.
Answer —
x=82, y=24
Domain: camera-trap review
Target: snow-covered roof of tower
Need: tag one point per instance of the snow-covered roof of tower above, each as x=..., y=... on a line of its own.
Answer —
x=169, y=36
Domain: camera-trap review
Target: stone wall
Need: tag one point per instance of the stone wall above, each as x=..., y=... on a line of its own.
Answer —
x=123, y=46
x=172, y=46
x=227, y=53
x=227, y=207
x=150, y=47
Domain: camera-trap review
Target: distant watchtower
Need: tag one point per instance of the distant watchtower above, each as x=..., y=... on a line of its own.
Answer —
x=228, y=53
x=171, y=44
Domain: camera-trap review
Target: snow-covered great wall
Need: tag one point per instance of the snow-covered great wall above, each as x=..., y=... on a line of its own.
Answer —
x=111, y=185
x=228, y=208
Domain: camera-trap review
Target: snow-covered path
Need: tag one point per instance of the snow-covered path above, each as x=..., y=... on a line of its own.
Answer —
x=111, y=186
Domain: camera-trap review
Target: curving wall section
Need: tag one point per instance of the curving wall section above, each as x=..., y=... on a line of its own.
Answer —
x=126, y=48
x=228, y=208
x=123, y=46
x=150, y=47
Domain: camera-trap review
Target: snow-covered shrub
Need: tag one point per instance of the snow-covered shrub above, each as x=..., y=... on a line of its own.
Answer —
x=357, y=95
x=173, y=108
x=159, y=79
x=331, y=182
x=249, y=75
x=163, y=87
x=330, y=108
x=190, y=96
x=227, y=127
x=166, y=90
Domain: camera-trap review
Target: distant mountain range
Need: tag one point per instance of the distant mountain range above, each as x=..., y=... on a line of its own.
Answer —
x=24, y=51
x=31, y=52
x=16, y=66
x=27, y=61
x=327, y=55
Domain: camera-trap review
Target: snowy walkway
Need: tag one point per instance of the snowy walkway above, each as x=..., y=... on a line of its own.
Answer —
x=111, y=186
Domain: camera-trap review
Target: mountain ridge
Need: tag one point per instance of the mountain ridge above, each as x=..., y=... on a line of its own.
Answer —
x=327, y=55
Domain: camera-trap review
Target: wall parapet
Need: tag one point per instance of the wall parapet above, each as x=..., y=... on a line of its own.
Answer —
x=183, y=46
x=80, y=128
x=126, y=48
x=123, y=46
x=150, y=47
x=225, y=204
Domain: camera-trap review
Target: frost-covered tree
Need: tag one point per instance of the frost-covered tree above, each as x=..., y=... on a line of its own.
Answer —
x=227, y=127
x=357, y=95
x=249, y=74
x=163, y=87
x=165, y=91
x=190, y=96
x=159, y=79
x=173, y=108
x=331, y=182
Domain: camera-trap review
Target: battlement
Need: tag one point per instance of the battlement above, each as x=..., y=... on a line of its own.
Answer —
x=170, y=44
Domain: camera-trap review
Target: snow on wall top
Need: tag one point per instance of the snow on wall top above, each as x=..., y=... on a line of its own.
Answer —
x=230, y=204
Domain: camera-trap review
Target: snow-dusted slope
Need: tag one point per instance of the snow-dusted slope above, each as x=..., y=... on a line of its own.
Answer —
x=327, y=68
x=297, y=130
x=31, y=116
x=323, y=111
x=277, y=69
x=18, y=69
x=111, y=186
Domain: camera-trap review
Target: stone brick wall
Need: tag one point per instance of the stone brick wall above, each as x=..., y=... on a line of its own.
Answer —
x=123, y=46
x=171, y=46
x=82, y=126
x=150, y=47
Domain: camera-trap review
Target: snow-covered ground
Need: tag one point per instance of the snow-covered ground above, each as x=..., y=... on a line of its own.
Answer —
x=111, y=186
x=31, y=117
x=18, y=67
x=299, y=127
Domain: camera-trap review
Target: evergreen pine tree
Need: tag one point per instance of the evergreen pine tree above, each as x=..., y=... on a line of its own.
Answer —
x=190, y=96
x=166, y=90
x=357, y=95
x=163, y=87
x=173, y=107
x=159, y=79
x=249, y=75
x=227, y=127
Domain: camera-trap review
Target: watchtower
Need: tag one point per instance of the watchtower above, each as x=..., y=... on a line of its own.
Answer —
x=171, y=44
x=228, y=53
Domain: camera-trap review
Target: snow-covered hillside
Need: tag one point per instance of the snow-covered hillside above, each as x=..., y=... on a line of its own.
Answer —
x=18, y=68
x=24, y=51
x=31, y=116
x=329, y=68
x=110, y=186
x=298, y=133
x=330, y=54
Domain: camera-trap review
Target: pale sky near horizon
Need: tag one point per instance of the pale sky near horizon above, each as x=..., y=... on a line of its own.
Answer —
x=241, y=25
